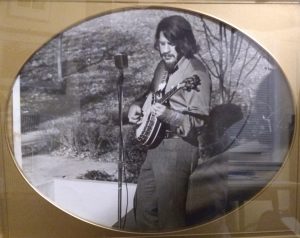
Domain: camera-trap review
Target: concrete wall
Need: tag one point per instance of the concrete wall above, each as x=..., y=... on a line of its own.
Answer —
x=94, y=201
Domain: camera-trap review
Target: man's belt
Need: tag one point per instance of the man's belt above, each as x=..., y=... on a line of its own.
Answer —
x=171, y=135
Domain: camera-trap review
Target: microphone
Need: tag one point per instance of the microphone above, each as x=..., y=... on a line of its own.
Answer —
x=121, y=60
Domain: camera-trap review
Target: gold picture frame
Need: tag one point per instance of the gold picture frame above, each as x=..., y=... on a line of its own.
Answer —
x=26, y=26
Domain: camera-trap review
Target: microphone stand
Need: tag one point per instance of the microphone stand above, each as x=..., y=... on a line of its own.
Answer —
x=121, y=62
x=121, y=147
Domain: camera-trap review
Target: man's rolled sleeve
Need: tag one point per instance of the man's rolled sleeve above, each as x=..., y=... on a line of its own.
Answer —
x=197, y=105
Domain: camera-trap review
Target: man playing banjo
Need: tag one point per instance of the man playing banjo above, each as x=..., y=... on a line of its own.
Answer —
x=161, y=193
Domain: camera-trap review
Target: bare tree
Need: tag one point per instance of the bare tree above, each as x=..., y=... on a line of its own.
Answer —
x=229, y=57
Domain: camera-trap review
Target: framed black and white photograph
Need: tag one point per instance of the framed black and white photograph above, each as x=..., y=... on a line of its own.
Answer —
x=151, y=119
x=69, y=109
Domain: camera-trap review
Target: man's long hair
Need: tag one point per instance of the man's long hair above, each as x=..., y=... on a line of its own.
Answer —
x=179, y=32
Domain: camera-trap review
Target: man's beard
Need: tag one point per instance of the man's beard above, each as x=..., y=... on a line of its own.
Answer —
x=170, y=65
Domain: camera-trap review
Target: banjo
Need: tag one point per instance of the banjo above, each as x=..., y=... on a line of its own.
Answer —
x=151, y=131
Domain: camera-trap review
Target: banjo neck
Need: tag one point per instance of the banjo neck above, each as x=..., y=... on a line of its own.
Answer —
x=168, y=94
